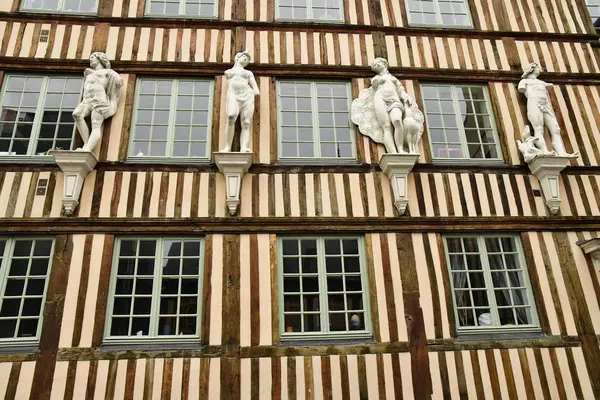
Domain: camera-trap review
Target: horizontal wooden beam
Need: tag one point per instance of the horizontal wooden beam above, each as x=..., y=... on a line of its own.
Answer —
x=195, y=23
x=292, y=225
x=172, y=68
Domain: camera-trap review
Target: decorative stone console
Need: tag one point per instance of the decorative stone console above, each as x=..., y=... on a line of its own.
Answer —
x=547, y=169
x=75, y=165
x=397, y=168
x=591, y=247
x=233, y=165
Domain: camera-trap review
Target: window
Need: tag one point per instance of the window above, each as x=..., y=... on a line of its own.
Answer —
x=37, y=113
x=184, y=8
x=155, y=289
x=314, y=121
x=594, y=9
x=24, y=269
x=439, y=12
x=172, y=119
x=323, y=288
x=67, y=6
x=316, y=10
x=459, y=122
x=489, y=283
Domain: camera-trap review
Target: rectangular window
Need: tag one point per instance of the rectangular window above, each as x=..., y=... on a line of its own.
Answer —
x=314, y=121
x=172, y=119
x=460, y=122
x=315, y=10
x=594, y=9
x=442, y=13
x=323, y=286
x=37, y=112
x=490, y=285
x=67, y=6
x=155, y=289
x=183, y=8
x=24, y=269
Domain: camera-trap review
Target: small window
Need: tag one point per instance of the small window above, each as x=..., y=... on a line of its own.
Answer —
x=66, y=6
x=323, y=288
x=182, y=8
x=312, y=10
x=37, y=113
x=442, y=13
x=24, y=269
x=490, y=284
x=460, y=122
x=172, y=120
x=314, y=121
x=156, y=289
x=594, y=9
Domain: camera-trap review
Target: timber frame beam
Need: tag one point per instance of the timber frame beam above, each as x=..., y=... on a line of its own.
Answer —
x=322, y=225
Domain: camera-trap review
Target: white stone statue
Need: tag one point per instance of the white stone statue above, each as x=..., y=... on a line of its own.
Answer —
x=387, y=114
x=101, y=93
x=240, y=101
x=540, y=115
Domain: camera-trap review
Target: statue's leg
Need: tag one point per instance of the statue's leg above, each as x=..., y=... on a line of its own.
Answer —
x=232, y=110
x=97, y=120
x=554, y=129
x=396, y=118
x=536, y=118
x=79, y=115
x=246, y=121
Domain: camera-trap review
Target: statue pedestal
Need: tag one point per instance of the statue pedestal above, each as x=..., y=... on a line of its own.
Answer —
x=547, y=169
x=397, y=167
x=75, y=165
x=233, y=166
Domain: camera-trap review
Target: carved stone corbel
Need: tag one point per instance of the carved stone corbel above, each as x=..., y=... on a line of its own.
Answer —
x=547, y=169
x=397, y=168
x=233, y=165
x=75, y=166
x=591, y=247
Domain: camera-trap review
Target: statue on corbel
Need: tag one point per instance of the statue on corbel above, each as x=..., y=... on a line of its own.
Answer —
x=101, y=94
x=241, y=90
x=387, y=114
x=544, y=164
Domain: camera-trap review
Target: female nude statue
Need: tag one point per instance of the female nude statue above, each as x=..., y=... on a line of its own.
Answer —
x=540, y=114
x=240, y=101
x=387, y=114
x=101, y=92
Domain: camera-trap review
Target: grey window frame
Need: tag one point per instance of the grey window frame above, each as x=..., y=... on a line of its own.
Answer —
x=181, y=13
x=440, y=23
x=317, y=159
x=156, y=296
x=461, y=127
x=37, y=122
x=171, y=126
x=309, y=12
x=60, y=10
x=595, y=4
x=325, y=334
x=4, y=270
x=483, y=255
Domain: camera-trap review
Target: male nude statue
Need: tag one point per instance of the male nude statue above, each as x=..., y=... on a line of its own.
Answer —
x=540, y=113
x=240, y=101
x=101, y=92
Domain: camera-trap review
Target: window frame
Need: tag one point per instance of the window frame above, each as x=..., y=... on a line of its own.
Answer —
x=309, y=9
x=316, y=159
x=37, y=122
x=181, y=13
x=438, y=15
x=169, y=159
x=155, y=304
x=325, y=334
x=534, y=327
x=588, y=7
x=461, y=127
x=22, y=8
x=4, y=270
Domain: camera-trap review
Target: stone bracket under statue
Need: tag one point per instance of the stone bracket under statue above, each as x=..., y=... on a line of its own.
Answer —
x=75, y=165
x=397, y=167
x=233, y=166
